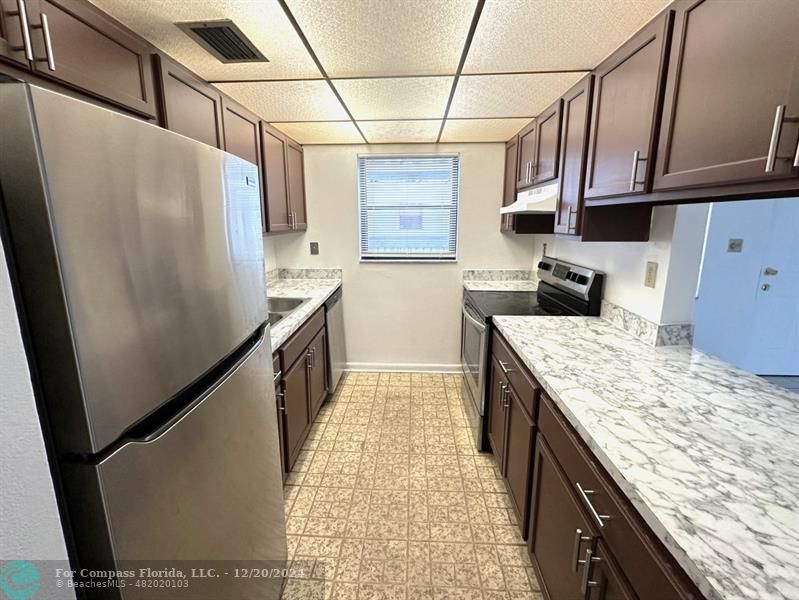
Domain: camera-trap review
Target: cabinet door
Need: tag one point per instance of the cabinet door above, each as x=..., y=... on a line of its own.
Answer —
x=625, y=106
x=730, y=71
x=11, y=34
x=519, y=457
x=274, y=174
x=318, y=372
x=557, y=528
x=524, y=169
x=280, y=398
x=547, y=146
x=191, y=107
x=495, y=413
x=296, y=181
x=509, y=190
x=90, y=51
x=605, y=580
x=241, y=132
x=296, y=413
x=574, y=145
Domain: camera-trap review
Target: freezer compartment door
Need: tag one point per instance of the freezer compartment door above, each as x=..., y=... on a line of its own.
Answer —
x=208, y=489
x=159, y=252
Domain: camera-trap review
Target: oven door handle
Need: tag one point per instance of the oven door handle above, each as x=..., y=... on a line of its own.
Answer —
x=478, y=324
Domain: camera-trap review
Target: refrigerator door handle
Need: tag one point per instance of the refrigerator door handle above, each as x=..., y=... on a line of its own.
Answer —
x=174, y=411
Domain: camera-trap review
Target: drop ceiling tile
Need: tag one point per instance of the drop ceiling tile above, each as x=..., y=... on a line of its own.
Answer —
x=508, y=96
x=536, y=35
x=387, y=132
x=404, y=98
x=288, y=100
x=327, y=132
x=481, y=130
x=262, y=21
x=356, y=38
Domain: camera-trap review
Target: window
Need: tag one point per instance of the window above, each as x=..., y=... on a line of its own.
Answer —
x=408, y=207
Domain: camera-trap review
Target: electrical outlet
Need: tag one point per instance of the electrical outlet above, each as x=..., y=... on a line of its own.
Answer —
x=314, y=248
x=651, y=274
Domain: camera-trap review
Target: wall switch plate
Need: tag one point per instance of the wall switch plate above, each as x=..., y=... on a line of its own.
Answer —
x=735, y=245
x=651, y=274
x=314, y=248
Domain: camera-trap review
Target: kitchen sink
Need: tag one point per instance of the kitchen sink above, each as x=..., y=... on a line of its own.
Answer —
x=283, y=305
x=275, y=317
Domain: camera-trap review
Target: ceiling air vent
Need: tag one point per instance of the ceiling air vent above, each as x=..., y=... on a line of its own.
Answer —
x=224, y=40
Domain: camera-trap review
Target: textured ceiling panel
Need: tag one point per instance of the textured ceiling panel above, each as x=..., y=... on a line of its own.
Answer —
x=338, y=132
x=406, y=98
x=498, y=96
x=536, y=35
x=383, y=132
x=481, y=130
x=356, y=38
x=288, y=100
x=262, y=21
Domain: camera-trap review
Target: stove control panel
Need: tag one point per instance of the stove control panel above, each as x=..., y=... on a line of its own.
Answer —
x=568, y=276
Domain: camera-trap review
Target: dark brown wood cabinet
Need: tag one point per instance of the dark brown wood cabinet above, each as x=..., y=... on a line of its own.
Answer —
x=509, y=184
x=76, y=44
x=274, y=175
x=295, y=175
x=560, y=532
x=317, y=372
x=241, y=132
x=604, y=579
x=495, y=413
x=519, y=443
x=547, y=144
x=526, y=156
x=732, y=95
x=296, y=413
x=280, y=407
x=191, y=107
x=626, y=105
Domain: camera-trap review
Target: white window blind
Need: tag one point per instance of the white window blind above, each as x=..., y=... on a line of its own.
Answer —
x=408, y=207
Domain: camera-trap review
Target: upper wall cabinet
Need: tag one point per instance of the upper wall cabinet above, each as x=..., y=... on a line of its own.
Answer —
x=276, y=194
x=74, y=43
x=526, y=157
x=732, y=95
x=509, y=187
x=191, y=107
x=295, y=169
x=547, y=144
x=626, y=106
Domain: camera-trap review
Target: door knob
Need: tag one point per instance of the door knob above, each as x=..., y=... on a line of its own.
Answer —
x=765, y=287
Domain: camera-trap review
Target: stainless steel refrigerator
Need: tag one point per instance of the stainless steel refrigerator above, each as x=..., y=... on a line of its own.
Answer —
x=137, y=258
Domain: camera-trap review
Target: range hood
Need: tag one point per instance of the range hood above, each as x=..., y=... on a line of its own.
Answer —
x=537, y=201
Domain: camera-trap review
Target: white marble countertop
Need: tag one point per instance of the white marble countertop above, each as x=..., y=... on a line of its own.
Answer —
x=708, y=454
x=316, y=290
x=499, y=286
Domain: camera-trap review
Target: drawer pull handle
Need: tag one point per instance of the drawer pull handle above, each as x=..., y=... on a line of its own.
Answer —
x=506, y=398
x=504, y=366
x=48, y=44
x=589, y=561
x=600, y=519
x=579, y=538
x=634, y=175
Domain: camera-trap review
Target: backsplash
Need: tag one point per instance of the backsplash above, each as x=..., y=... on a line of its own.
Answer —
x=672, y=334
x=498, y=275
x=308, y=273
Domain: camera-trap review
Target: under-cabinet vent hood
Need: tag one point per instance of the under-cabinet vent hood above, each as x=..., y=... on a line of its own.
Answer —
x=541, y=200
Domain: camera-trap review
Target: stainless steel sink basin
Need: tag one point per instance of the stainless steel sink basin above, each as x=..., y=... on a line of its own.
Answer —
x=283, y=305
x=275, y=317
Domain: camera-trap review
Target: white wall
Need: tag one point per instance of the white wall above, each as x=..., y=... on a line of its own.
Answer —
x=29, y=525
x=402, y=314
x=675, y=243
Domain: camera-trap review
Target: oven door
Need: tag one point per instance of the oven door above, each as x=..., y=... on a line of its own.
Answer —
x=474, y=346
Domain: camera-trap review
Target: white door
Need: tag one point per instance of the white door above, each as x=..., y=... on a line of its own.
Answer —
x=747, y=308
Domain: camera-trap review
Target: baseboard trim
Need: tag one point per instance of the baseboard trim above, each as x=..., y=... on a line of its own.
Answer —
x=404, y=367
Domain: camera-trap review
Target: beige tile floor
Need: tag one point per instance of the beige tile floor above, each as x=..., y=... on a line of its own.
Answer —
x=390, y=500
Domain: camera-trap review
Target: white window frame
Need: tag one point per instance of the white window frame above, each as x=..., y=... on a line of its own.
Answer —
x=433, y=259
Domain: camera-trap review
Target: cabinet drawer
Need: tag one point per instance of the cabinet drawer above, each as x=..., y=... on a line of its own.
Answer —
x=514, y=370
x=651, y=570
x=299, y=342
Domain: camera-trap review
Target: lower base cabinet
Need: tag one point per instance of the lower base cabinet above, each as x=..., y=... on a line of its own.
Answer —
x=302, y=388
x=519, y=443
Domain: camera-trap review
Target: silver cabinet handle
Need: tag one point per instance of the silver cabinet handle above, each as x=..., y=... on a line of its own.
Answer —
x=590, y=559
x=313, y=357
x=48, y=43
x=572, y=211
x=600, y=519
x=579, y=538
x=502, y=388
x=633, y=175
x=504, y=366
x=506, y=398
x=308, y=364
x=796, y=156
x=294, y=220
x=779, y=115
x=282, y=401
x=22, y=13
x=277, y=376
x=291, y=225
